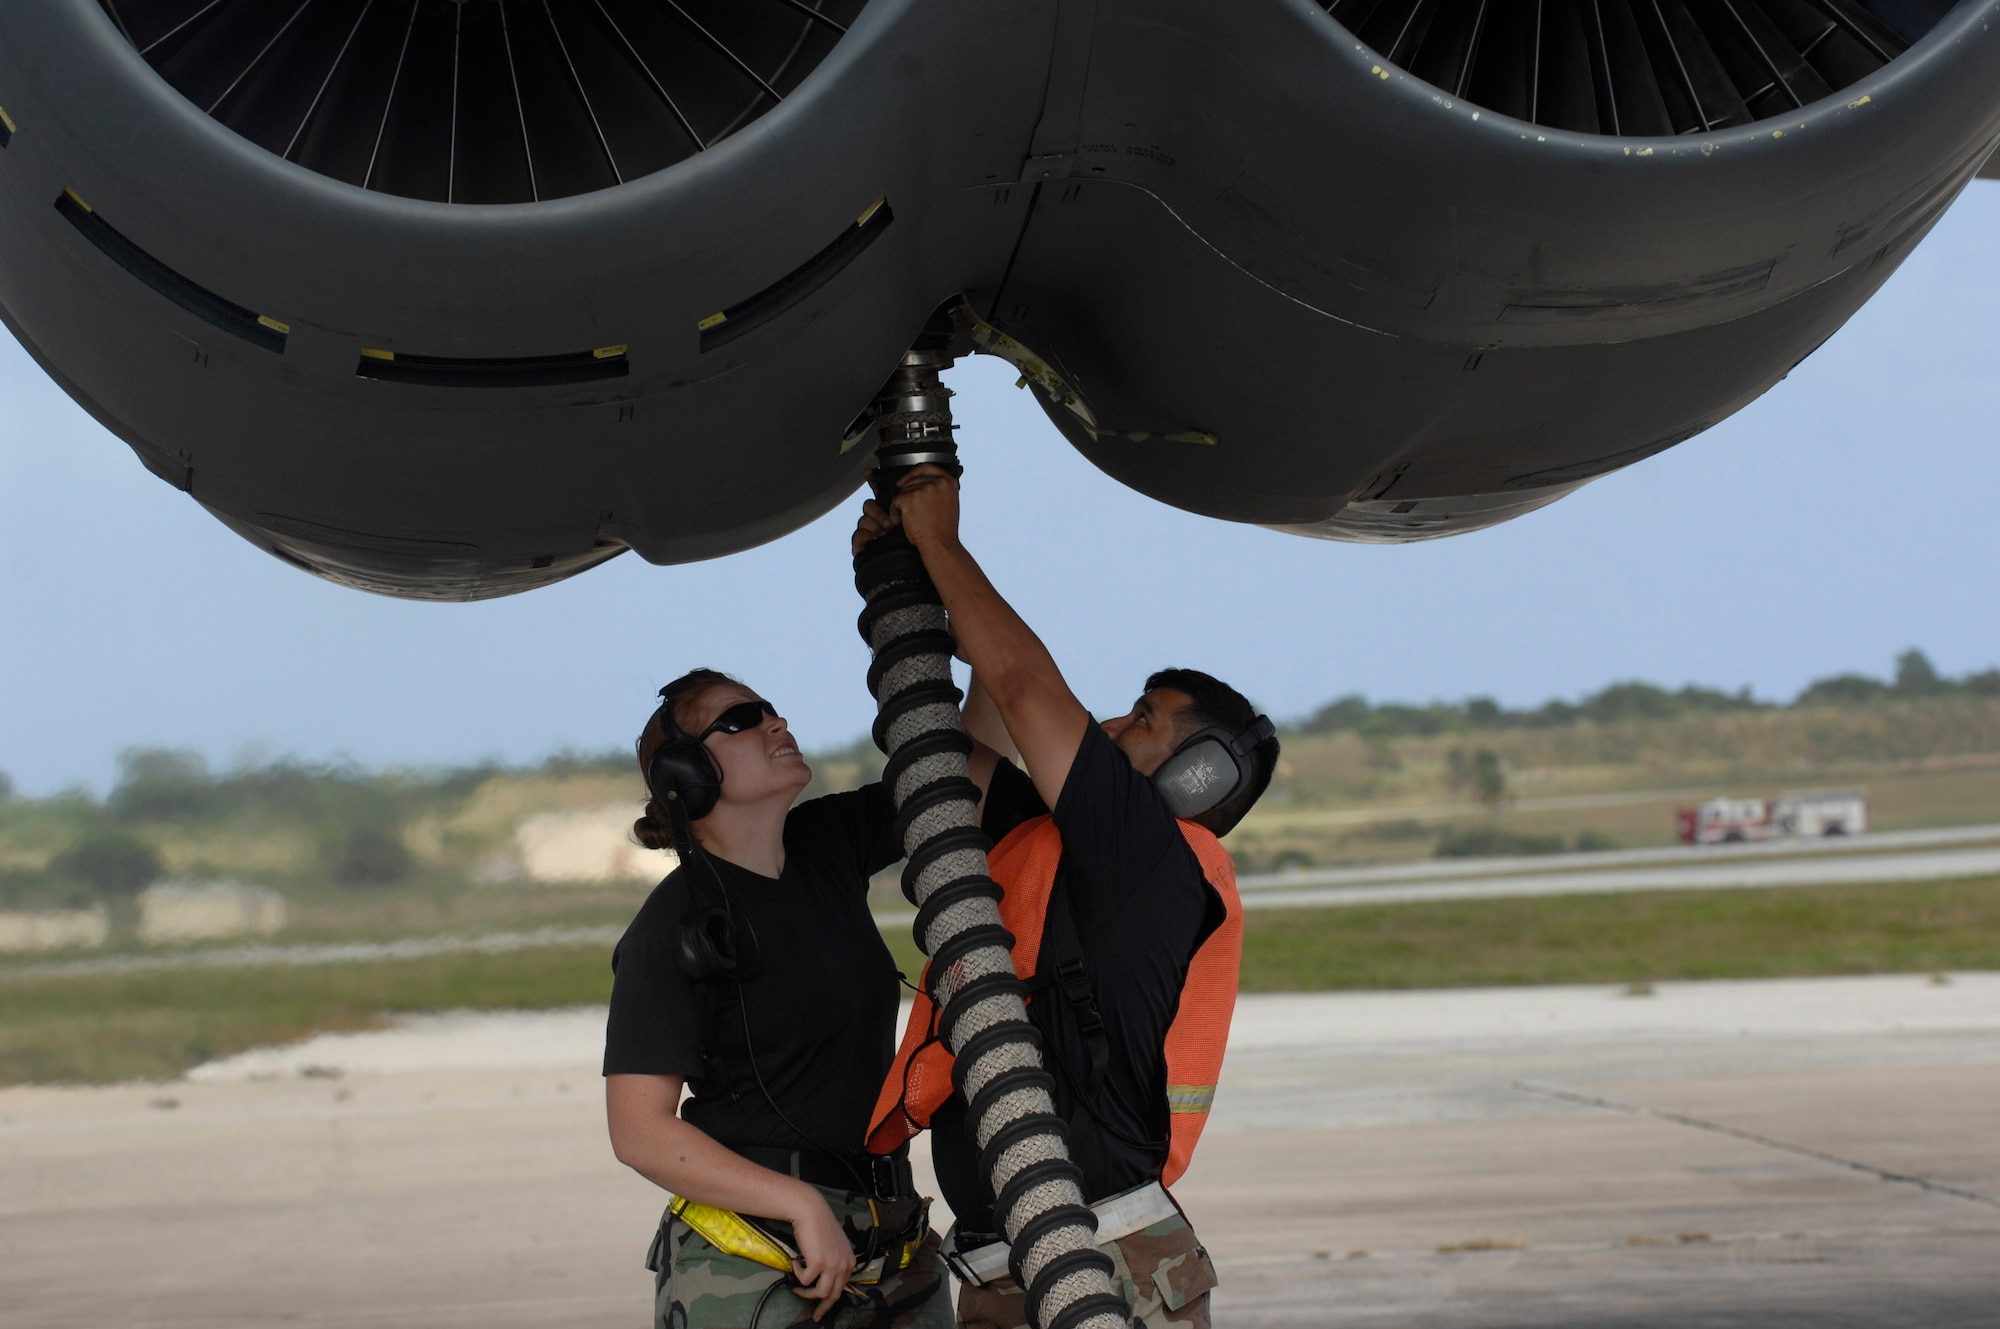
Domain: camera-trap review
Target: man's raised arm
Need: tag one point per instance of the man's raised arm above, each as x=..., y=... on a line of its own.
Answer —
x=1041, y=714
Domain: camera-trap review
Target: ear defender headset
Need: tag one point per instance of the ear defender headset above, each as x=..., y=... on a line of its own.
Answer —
x=684, y=779
x=1210, y=767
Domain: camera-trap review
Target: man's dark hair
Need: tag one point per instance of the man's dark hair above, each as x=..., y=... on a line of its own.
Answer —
x=1217, y=704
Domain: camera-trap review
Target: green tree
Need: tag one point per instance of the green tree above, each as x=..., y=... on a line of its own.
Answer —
x=369, y=856
x=1915, y=675
x=1631, y=701
x=109, y=858
x=1340, y=715
x=161, y=784
x=1488, y=779
x=1843, y=690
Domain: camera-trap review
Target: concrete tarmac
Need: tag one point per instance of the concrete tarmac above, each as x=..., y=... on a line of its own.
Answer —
x=1779, y=1155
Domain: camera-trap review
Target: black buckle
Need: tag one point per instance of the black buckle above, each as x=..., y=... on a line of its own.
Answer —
x=890, y=1177
x=1075, y=983
x=955, y=1249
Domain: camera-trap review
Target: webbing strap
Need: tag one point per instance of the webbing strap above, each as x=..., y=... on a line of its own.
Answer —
x=1062, y=968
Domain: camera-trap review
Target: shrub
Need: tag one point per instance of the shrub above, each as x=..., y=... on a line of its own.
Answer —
x=1843, y=690
x=1481, y=773
x=370, y=856
x=1492, y=841
x=114, y=861
x=159, y=784
x=23, y=889
x=1916, y=676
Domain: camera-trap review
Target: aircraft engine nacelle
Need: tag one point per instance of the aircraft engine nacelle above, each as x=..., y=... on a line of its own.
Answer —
x=452, y=298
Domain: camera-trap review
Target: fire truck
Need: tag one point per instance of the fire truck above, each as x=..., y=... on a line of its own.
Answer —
x=1800, y=813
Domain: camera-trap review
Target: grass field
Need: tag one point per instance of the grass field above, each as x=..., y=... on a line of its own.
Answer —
x=95, y=1028
x=1920, y=927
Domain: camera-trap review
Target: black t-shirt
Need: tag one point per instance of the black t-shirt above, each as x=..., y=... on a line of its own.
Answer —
x=1142, y=907
x=821, y=1011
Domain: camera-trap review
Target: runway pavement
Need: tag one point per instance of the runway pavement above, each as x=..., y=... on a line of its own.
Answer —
x=1779, y=1155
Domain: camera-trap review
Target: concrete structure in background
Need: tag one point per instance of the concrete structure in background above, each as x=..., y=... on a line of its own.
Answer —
x=54, y=929
x=591, y=845
x=178, y=911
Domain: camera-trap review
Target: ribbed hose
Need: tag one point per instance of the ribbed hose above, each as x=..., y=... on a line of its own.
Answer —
x=983, y=1016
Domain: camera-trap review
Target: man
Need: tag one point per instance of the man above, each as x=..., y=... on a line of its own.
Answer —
x=1125, y=916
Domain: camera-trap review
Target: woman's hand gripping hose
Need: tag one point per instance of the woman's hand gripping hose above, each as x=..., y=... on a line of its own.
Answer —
x=826, y=1256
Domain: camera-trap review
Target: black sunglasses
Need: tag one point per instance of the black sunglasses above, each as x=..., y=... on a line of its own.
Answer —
x=735, y=719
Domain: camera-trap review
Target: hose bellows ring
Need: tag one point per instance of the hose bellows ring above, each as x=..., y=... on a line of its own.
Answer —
x=1042, y=1205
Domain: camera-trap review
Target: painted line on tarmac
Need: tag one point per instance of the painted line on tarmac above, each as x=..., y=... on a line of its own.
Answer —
x=1677, y=855
x=341, y=952
x=1857, y=869
x=1478, y=1247
x=1768, y=1142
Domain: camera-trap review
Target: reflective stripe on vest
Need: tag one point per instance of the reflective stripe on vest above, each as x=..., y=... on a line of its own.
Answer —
x=1025, y=864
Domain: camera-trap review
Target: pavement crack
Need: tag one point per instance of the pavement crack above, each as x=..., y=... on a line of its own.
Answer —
x=1768, y=1142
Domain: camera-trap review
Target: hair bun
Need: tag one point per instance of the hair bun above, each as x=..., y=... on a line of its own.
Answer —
x=653, y=830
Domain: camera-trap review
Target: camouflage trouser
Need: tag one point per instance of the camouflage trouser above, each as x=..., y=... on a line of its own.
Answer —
x=1162, y=1270
x=697, y=1286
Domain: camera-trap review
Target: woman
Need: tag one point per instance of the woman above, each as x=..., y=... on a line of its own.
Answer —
x=755, y=975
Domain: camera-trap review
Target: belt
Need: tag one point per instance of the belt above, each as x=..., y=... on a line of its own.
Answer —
x=890, y=1243
x=887, y=1176
x=1119, y=1216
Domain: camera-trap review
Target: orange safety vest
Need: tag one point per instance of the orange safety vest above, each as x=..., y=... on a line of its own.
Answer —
x=1025, y=865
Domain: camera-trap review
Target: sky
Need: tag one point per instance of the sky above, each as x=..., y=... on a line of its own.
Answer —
x=1842, y=518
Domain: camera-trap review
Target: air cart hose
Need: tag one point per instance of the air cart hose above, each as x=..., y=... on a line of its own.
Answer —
x=983, y=1017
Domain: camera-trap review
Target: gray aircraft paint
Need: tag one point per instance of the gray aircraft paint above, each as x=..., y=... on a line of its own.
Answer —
x=1284, y=280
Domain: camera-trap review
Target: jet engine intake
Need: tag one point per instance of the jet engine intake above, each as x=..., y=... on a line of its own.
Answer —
x=454, y=298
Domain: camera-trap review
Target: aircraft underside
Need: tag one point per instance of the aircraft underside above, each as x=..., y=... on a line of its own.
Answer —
x=450, y=300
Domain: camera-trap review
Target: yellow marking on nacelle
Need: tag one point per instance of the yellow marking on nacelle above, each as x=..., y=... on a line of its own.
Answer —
x=607, y=352
x=274, y=325
x=8, y=120
x=711, y=321
x=370, y=353
x=871, y=210
x=77, y=199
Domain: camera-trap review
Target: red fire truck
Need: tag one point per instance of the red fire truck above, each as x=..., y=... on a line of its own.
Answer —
x=1804, y=812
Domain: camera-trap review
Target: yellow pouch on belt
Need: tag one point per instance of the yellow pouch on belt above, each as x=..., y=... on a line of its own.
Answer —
x=734, y=1234
x=731, y=1232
